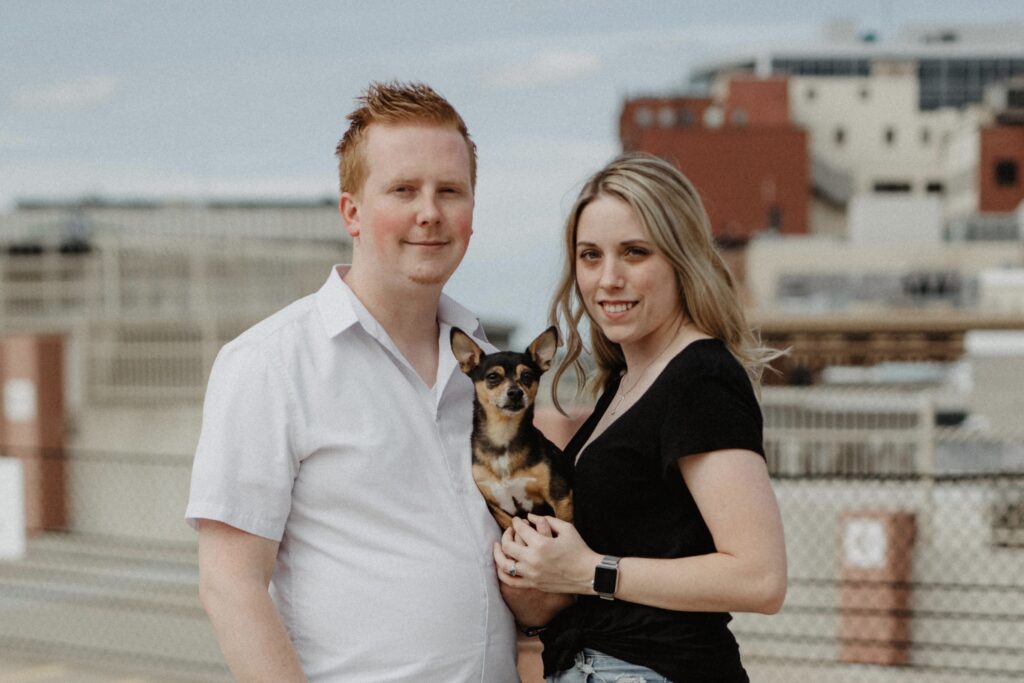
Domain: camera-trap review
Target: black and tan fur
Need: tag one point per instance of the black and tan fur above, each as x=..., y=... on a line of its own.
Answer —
x=515, y=467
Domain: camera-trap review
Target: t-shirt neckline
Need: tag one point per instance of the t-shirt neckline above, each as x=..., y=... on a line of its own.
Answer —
x=606, y=397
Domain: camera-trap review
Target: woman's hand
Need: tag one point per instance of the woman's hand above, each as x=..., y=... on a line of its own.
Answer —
x=550, y=555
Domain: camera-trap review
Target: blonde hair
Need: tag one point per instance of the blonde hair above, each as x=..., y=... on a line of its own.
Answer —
x=671, y=213
x=392, y=103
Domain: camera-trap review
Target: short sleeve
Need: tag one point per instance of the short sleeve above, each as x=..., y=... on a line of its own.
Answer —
x=710, y=413
x=245, y=462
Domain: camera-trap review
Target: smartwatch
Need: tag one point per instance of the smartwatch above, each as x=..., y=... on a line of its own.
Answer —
x=606, y=577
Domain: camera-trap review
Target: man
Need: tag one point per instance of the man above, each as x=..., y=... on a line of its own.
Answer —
x=334, y=465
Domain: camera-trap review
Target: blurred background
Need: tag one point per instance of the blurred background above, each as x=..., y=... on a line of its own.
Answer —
x=167, y=179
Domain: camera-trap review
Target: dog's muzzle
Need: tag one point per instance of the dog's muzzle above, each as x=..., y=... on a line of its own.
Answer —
x=514, y=400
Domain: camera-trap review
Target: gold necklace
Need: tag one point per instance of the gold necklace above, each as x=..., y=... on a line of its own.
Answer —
x=623, y=392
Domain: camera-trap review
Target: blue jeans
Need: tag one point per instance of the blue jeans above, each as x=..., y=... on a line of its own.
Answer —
x=596, y=667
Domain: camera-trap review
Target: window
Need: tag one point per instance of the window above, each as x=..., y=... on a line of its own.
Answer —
x=935, y=187
x=1006, y=173
x=811, y=94
x=887, y=186
x=684, y=118
x=740, y=117
x=926, y=136
x=666, y=117
x=25, y=249
x=890, y=136
x=839, y=136
x=643, y=117
x=713, y=117
x=865, y=93
x=928, y=284
x=1008, y=524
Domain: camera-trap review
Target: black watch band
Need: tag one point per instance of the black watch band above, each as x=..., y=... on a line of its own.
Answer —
x=606, y=577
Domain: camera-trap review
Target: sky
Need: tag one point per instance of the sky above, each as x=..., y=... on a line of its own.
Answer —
x=221, y=99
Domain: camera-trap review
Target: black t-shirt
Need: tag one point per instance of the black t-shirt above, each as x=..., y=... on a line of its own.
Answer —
x=630, y=500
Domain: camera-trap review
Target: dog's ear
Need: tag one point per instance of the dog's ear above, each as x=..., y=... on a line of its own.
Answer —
x=466, y=351
x=542, y=349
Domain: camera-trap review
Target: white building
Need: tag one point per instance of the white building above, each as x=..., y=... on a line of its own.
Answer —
x=953, y=64
x=891, y=118
x=872, y=129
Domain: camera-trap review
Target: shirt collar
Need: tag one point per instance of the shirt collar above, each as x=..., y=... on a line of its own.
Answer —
x=450, y=312
x=335, y=302
x=340, y=308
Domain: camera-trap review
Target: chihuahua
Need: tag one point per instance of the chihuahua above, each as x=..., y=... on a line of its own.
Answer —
x=516, y=468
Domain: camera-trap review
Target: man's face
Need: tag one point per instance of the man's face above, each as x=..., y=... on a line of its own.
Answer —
x=412, y=220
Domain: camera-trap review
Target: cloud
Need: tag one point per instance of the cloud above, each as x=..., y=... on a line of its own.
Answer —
x=86, y=92
x=546, y=68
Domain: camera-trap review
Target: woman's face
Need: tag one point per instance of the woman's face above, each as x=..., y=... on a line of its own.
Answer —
x=629, y=289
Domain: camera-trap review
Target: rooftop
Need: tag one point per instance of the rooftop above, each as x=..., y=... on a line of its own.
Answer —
x=913, y=43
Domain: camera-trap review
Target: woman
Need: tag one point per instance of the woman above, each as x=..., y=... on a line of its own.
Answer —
x=676, y=524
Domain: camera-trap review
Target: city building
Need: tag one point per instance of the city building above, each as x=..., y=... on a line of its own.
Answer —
x=738, y=147
x=146, y=293
x=953, y=64
x=933, y=114
x=1001, y=163
x=903, y=156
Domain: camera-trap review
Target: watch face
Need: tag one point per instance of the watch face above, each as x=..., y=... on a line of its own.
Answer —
x=605, y=579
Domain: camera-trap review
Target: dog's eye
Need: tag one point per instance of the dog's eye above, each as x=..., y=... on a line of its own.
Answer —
x=493, y=377
x=526, y=378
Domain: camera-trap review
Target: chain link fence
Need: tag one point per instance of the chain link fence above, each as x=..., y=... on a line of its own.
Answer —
x=905, y=544
x=896, y=578
x=117, y=586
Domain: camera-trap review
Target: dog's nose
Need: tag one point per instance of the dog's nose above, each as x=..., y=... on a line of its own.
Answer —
x=515, y=393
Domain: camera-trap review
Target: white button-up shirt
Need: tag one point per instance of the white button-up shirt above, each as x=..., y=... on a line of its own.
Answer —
x=318, y=433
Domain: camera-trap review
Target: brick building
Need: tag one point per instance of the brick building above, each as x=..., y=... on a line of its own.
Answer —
x=747, y=159
x=1000, y=181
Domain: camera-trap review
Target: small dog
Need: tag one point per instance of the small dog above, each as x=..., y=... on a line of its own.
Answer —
x=516, y=468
